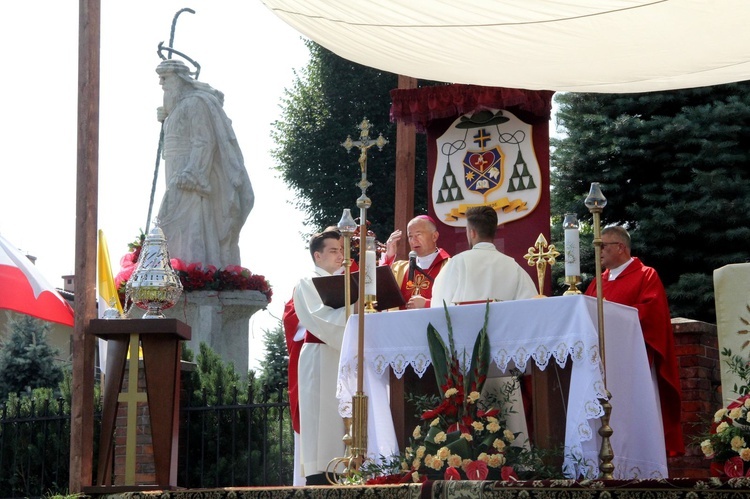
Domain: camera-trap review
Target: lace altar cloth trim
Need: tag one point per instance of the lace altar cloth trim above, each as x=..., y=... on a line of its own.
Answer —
x=560, y=328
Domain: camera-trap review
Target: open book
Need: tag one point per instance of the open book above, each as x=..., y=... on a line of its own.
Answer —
x=331, y=289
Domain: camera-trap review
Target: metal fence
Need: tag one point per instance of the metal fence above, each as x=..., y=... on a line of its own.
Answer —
x=234, y=444
x=221, y=445
x=34, y=448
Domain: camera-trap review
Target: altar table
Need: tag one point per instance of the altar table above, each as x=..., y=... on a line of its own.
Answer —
x=556, y=328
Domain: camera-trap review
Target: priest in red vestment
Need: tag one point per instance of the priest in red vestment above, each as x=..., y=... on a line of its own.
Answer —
x=629, y=282
x=416, y=277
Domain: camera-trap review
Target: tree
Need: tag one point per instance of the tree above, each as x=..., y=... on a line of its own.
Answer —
x=673, y=166
x=327, y=101
x=27, y=361
x=275, y=374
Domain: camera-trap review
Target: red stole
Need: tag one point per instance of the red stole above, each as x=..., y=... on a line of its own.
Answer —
x=640, y=287
x=291, y=323
x=421, y=284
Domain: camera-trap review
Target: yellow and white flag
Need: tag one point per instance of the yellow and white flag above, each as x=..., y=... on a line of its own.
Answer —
x=108, y=297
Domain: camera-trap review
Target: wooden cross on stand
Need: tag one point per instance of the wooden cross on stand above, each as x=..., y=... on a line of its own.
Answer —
x=131, y=398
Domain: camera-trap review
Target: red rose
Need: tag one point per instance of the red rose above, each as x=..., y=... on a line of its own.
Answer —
x=476, y=470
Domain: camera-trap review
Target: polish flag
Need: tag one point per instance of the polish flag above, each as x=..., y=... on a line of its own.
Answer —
x=24, y=289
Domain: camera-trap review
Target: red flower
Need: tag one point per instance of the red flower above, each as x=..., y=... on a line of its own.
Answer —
x=476, y=470
x=488, y=414
x=458, y=427
x=508, y=474
x=738, y=403
x=451, y=473
x=386, y=479
x=735, y=467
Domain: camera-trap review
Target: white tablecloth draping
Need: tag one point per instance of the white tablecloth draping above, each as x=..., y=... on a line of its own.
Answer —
x=540, y=329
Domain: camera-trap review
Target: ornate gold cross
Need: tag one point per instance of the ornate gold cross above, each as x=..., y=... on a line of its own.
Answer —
x=419, y=284
x=541, y=255
x=363, y=144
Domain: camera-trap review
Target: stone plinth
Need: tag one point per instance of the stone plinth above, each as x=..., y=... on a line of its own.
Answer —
x=221, y=320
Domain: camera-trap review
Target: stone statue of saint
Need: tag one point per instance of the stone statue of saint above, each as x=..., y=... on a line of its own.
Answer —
x=209, y=195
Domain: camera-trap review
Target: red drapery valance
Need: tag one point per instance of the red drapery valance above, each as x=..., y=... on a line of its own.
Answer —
x=419, y=106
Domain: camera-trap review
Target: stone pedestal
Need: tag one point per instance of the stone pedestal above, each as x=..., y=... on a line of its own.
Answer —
x=221, y=320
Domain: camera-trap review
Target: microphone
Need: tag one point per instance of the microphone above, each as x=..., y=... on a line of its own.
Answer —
x=412, y=264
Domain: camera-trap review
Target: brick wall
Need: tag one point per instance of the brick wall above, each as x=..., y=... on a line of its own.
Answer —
x=145, y=470
x=696, y=346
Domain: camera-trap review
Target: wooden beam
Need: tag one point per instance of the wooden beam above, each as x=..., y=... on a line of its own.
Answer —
x=82, y=404
x=406, y=144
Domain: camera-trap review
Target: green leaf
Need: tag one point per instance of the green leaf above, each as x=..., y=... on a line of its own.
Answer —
x=439, y=355
x=480, y=357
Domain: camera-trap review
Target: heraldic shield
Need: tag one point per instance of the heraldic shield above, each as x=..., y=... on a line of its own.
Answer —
x=493, y=151
x=483, y=170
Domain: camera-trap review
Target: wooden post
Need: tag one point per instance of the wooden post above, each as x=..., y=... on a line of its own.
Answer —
x=403, y=211
x=82, y=404
x=406, y=144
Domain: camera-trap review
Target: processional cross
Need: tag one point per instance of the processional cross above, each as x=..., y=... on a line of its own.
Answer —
x=364, y=144
x=358, y=439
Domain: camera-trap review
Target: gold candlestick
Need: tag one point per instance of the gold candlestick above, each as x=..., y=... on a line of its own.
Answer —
x=596, y=202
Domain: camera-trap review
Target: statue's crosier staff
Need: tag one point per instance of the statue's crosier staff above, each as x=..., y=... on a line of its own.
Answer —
x=160, y=51
x=358, y=449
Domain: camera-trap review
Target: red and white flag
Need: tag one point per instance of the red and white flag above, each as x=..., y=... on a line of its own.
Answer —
x=24, y=289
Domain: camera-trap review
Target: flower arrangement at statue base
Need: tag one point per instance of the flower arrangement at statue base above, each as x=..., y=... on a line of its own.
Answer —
x=196, y=276
x=728, y=441
x=463, y=436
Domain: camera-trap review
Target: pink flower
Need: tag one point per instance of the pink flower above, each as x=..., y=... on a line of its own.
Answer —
x=177, y=264
x=477, y=470
x=451, y=473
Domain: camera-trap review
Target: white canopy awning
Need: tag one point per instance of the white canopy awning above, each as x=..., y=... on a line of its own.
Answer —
x=607, y=46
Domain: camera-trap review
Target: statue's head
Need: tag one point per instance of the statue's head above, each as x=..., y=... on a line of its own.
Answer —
x=174, y=78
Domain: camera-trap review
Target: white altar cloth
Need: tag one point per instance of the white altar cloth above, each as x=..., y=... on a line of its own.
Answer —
x=539, y=329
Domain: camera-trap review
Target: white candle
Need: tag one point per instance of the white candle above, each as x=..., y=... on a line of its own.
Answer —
x=370, y=263
x=572, y=246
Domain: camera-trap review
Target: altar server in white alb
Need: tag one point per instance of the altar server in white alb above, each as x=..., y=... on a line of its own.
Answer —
x=321, y=427
x=482, y=272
